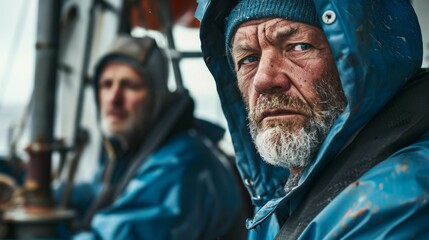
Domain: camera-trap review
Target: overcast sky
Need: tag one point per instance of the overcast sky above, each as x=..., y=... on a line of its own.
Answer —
x=17, y=41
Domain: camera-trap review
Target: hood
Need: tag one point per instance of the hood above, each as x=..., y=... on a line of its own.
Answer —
x=144, y=55
x=377, y=46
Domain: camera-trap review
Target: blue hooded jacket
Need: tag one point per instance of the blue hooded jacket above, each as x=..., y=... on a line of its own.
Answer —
x=377, y=47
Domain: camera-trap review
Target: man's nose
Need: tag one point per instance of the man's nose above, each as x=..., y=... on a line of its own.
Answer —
x=116, y=95
x=271, y=75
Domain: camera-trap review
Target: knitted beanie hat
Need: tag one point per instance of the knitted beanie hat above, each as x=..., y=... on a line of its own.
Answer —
x=247, y=10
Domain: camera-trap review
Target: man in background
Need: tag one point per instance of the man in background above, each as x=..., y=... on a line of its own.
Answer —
x=161, y=175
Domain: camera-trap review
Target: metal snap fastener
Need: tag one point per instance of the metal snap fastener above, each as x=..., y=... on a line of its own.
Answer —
x=329, y=17
x=248, y=182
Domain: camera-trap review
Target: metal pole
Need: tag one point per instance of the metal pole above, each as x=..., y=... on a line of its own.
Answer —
x=37, y=218
x=38, y=179
x=168, y=25
x=84, y=72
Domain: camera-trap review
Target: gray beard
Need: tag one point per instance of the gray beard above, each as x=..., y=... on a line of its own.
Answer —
x=282, y=145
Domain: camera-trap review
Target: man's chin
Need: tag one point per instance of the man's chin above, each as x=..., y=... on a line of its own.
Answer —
x=284, y=148
x=292, y=127
x=267, y=142
x=289, y=121
x=115, y=131
x=114, y=134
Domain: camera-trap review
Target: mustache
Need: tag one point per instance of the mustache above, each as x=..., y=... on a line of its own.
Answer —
x=278, y=102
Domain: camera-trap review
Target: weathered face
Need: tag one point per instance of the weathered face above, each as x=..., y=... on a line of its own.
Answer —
x=123, y=99
x=288, y=79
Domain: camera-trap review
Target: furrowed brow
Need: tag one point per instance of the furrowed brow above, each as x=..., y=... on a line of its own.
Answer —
x=281, y=34
x=240, y=49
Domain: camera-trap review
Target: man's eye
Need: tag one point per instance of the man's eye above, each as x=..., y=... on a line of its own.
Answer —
x=247, y=60
x=301, y=47
x=135, y=85
x=105, y=84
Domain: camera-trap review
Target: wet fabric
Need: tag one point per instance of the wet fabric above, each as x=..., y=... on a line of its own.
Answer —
x=377, y=46
x=398, y=125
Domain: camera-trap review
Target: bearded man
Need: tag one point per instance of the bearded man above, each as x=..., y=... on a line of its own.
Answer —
x=325, y=102
x=160, y=175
